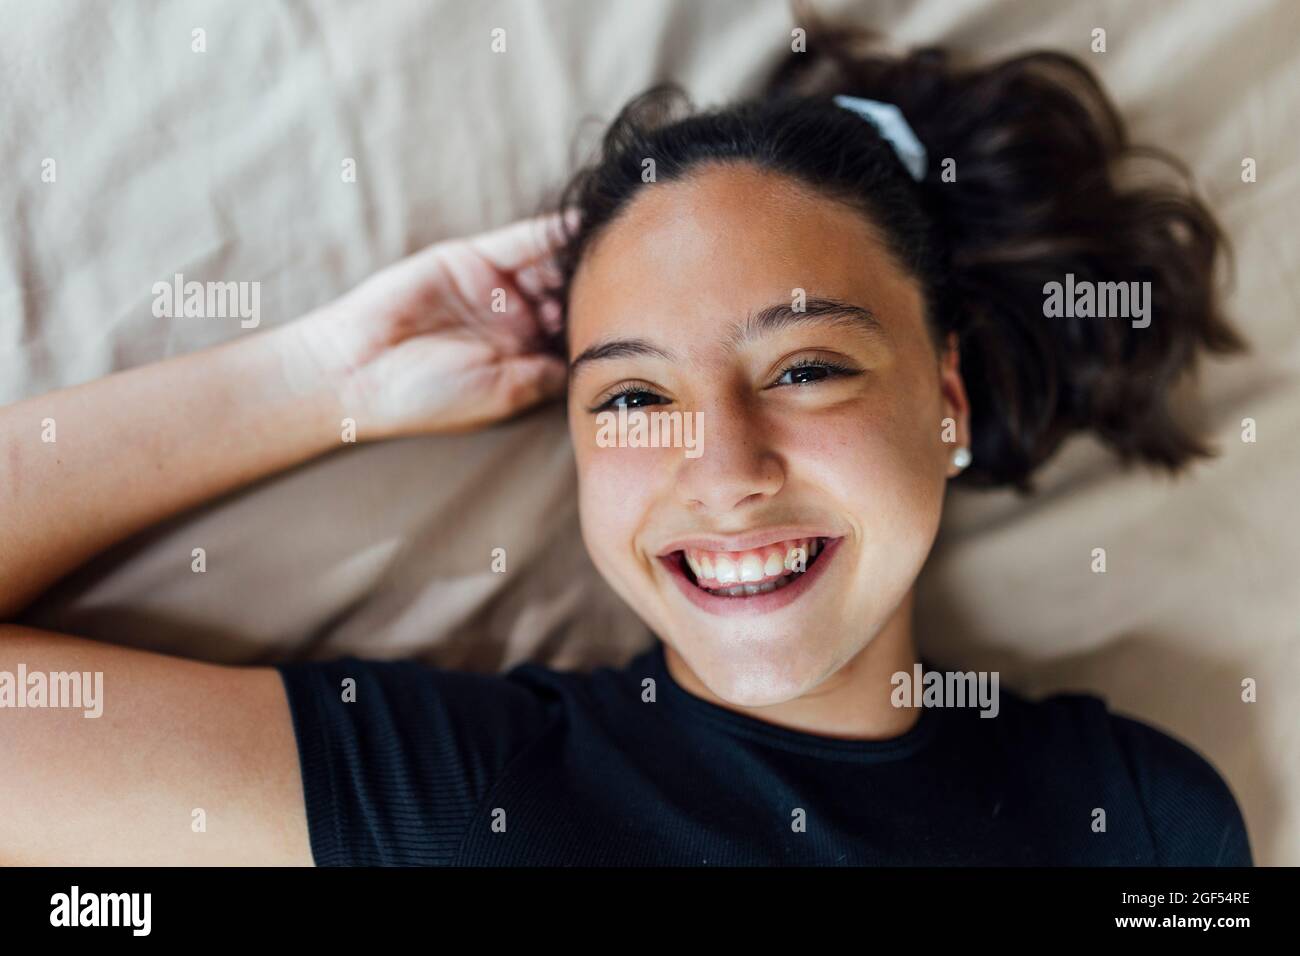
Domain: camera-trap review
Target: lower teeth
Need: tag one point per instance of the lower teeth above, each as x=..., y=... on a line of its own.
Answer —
x=751, y=589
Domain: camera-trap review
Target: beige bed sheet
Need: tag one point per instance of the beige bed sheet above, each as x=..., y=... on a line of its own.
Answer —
x=225, y=165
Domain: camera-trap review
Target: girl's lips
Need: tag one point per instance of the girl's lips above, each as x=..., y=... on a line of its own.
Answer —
x=758, y=603
x=746, y=542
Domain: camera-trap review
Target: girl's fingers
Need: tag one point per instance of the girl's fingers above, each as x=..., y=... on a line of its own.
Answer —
x=513, y=246
x=549, y=315
x=527, y=380
x=531, y=279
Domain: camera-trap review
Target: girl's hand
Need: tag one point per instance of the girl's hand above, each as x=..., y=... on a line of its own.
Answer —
x=445, y=340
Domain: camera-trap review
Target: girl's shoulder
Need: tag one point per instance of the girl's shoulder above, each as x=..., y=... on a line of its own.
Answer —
x=1189, y=808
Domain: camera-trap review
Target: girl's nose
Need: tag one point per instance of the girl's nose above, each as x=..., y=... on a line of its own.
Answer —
x=737, y=465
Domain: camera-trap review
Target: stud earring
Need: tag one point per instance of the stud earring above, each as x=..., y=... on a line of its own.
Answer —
x=961, y=457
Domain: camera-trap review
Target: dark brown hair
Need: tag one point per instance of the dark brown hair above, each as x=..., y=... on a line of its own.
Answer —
x=1041, y=190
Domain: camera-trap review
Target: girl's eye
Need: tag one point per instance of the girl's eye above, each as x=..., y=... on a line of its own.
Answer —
x=630, y=396
x=811, y=371
x=804, y=372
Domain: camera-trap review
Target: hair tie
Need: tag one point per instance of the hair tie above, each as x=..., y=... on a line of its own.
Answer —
x=889, y=122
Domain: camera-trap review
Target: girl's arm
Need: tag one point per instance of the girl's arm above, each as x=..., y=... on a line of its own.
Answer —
x=155, y=744
x=161, y=761
x=443, y=341
x=180, y=762
x=136, y=447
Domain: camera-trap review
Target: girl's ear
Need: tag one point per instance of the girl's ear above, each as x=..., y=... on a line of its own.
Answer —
x=955, y=403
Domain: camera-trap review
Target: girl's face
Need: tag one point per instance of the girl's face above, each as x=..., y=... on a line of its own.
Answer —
x=794, y=352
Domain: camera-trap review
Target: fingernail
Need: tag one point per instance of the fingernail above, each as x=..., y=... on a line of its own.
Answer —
x=550, y=315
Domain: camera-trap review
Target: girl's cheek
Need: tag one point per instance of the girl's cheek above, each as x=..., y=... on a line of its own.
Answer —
x=618, y=488
x=872, y=458
x=842, y=448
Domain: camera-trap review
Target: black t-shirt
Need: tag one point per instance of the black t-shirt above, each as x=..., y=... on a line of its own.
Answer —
x=433, y=767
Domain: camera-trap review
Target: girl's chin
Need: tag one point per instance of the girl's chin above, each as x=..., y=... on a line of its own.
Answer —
x=748, y=669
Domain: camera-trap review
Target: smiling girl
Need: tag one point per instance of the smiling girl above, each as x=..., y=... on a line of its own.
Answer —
x=850, y=296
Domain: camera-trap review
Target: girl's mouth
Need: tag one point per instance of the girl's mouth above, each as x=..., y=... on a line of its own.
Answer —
x=744, y=574
x=754, y=581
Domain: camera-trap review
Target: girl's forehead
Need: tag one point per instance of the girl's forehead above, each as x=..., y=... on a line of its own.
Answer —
x=691, y=257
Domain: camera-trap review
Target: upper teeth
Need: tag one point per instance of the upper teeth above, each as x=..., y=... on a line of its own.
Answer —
x=725, y=569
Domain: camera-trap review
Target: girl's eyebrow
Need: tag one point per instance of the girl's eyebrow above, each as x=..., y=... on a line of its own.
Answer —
x=620, y=348
x=817, y=309
x=766, y=321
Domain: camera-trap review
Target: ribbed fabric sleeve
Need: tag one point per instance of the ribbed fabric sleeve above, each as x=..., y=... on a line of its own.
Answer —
x=1191, y=812
x=390, y=778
